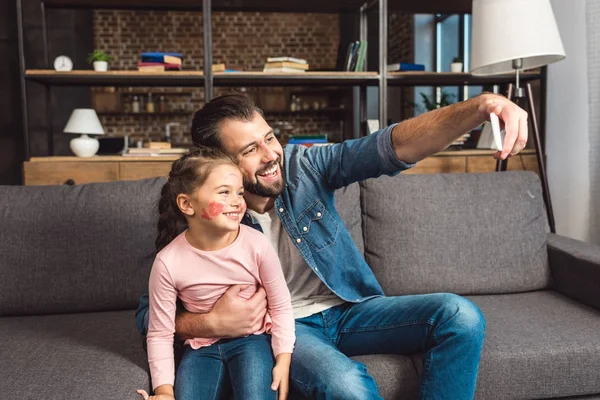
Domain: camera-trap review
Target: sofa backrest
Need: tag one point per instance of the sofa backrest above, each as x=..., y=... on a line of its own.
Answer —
x=76, y=248
x=90, y=247
x=459, y=233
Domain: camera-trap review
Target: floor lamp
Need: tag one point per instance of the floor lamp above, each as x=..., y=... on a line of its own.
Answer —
x=510, y=36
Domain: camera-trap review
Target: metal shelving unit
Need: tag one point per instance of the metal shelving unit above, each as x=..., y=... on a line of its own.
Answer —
x=358, y=80
x=208, y=79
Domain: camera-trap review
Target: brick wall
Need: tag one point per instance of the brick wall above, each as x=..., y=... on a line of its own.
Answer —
x=401, y=47
x=240, y=40
x=401, y=44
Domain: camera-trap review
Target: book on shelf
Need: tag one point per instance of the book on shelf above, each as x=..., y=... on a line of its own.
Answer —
x=163, y=57
x=157, y=67
x=218, y=68
x=308, y=140
x=151, y=152
x=287, y=59
x=355, y=56
x=405, y=67
x=284, y=69
x=286, y=64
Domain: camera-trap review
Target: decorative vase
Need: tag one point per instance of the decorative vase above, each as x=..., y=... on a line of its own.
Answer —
x=456, y=67
x=100, y=66
x=84, y=146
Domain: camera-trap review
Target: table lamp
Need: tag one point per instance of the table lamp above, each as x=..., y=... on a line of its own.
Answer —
x=510, y=36
x=84, y=121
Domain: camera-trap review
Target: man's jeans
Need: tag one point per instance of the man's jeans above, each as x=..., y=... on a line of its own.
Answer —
x=244, y=364
x=446, y=328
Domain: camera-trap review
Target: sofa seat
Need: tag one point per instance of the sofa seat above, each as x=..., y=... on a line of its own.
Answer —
x=525, y=355
x=538, y=345
x=72, y=356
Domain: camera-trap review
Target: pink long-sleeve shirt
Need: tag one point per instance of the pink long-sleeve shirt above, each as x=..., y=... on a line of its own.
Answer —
x=199, y=278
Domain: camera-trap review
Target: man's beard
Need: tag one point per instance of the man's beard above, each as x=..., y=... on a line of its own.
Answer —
x=259, y=189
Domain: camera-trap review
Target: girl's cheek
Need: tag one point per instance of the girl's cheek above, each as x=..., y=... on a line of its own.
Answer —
x=214, y=209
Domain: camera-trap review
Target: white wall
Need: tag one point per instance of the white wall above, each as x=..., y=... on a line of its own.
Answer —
x=567, y=143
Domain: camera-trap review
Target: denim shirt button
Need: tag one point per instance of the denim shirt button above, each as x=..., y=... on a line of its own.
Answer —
x=319, y=214
x=281, y=209
x=298, y=240
x=305, y=229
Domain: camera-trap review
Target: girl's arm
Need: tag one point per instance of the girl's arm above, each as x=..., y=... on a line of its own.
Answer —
x=163, y=297
x=278, y=300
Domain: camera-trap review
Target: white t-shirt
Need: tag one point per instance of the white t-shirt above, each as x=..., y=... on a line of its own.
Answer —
x=309, y=293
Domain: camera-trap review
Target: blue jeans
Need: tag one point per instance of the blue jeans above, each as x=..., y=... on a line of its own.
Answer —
x=244, y=365
x=446, y=328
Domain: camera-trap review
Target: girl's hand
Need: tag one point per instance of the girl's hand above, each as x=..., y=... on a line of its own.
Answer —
x=145, y=396
x=281, y=380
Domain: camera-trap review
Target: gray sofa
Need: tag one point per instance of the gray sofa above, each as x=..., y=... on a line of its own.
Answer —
x=74, y=260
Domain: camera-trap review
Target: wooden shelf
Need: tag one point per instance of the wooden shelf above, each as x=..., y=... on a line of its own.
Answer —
x=146, y=114
x=338, y=78
x=103, y=158
x=115, y=78
x=310, y=111
x=196, y=78
x=419, y=78
x=476, y=152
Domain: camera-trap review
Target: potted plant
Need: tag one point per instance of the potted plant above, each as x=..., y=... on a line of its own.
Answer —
x=457, y=65
x=99, y=59
x=430, y=103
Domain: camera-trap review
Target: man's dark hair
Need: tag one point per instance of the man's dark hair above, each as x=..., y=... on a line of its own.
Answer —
x=207, y=120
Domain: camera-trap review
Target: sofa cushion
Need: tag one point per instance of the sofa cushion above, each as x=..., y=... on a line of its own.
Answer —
x=72, y=357
x=76, y=248
x=347, y=203
x=460, y=233
x=538, y=345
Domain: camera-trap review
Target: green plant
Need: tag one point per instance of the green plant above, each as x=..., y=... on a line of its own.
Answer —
x=98, y=55
x=457, y=59
x=430, y=103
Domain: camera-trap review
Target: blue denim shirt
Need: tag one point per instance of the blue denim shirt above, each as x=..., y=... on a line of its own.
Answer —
x=307, y=211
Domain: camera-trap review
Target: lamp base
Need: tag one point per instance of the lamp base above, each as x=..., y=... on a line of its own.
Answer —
x=84, y=146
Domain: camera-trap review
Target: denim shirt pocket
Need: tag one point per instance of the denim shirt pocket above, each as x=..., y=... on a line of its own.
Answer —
x=317, y=226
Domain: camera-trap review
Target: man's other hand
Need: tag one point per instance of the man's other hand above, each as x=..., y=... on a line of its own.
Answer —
x=232, y=316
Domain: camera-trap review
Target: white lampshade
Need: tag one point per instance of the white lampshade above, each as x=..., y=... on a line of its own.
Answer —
x=506, y=30
x=84, y=121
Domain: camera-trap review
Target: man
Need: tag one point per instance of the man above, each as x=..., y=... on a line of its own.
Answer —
x=339, y=306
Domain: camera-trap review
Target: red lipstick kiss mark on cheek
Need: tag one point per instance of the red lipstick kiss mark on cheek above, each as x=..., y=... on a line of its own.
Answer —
x=214, y=209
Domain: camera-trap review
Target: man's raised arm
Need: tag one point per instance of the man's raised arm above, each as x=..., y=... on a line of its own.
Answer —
x=419, y=137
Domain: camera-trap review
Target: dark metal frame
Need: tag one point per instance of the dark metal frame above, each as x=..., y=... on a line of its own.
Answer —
x=208, y=78
x=22, y=79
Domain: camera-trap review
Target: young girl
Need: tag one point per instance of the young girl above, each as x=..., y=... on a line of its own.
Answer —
x=205, y=191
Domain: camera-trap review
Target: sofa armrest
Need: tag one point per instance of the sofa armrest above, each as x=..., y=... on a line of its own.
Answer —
x=575, y=268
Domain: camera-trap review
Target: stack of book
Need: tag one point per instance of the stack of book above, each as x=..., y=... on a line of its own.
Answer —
x=459, y=143
x=152, y=149
x=405, y=67
x=285, y=64
x=309, y=140
x=160, y=62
